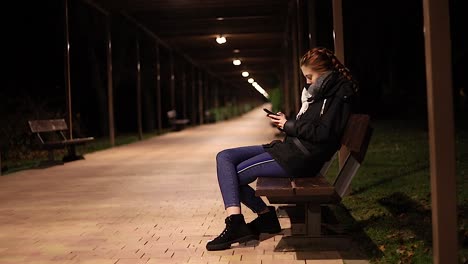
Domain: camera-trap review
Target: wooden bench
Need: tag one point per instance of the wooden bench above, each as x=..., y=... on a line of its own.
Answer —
x=177, y=124
x=311, y=193
x=51, y=137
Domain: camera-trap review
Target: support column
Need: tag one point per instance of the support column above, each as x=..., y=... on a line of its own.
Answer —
x=338, y=29
x=184, y=90
x=339, y=53
x=295, y=59
x=216, y=94
x=172, y=83
x=441, y=130
x=67, y=72
x=110, y=90
x=286, y=82
x=300, y=39
x=312, y=23
x=201, y=102
x=138, y=91
x=158, y=87
x=193, y=109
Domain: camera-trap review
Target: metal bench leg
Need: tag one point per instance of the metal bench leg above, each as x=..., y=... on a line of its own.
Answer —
x=50, y=161
x=313, y=219
x=72, y=154
x=51, y=155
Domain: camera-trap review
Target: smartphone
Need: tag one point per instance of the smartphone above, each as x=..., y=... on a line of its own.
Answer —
x=270, y=112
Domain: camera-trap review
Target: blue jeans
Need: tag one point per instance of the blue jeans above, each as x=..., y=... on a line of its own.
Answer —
x=237, y=167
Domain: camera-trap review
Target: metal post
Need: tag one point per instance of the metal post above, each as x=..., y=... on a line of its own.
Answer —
x=441, y=130
x=338, y=29
x=201, y=102
x=184, y=90
x=110, y=91
x=295, y=59
x=67, y=72
x=312, y=23
x=172, y=85
x=158, y=87
x=216, y=94
x=194, y=96
x=139, y=115
x=300, y=38
x=339, y=53
x=286, y=83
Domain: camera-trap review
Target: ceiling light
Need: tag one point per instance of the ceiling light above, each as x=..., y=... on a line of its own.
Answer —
x=245, y=74
x=251, y=80
x=236, y=62
x=236, y=51
x=221, y=39
x=220, y=18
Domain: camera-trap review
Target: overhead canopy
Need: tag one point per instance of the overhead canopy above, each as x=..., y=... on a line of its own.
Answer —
x=253, y=27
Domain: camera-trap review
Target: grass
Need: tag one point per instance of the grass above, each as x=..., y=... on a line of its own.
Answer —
x=389, y=209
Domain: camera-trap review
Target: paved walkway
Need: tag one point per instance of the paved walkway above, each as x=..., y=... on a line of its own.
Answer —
x=154, y=201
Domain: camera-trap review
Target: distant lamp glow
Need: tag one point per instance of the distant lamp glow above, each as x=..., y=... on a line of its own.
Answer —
x=245, y=74
x=254, y=84
x=221, y=39
x=236, y=62
x=251, y=80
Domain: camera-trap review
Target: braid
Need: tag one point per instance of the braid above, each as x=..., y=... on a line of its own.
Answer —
x=323, y=59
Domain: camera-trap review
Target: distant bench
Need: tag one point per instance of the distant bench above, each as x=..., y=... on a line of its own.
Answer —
x=308, y=194
x=177, y=124
x=51, y=137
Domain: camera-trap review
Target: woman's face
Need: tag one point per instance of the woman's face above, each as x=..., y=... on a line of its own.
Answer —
x=310, y=75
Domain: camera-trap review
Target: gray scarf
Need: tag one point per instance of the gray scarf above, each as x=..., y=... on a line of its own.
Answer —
x=309, y=93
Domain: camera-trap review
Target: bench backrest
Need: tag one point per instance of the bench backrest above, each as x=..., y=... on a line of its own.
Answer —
x=50, y=125
x=171, y=114
x=355, y=141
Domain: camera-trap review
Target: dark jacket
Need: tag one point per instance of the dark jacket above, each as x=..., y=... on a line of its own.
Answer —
x=320, y=135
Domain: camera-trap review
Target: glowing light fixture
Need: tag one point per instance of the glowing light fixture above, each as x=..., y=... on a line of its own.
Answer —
x=245, y=74
x=221, y=39
x=236, y=62
x=260, y=89
x=251, y=80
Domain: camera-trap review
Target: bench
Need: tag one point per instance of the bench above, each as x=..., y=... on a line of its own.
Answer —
x=177, y=124
x=310, y=194
x=51, y=137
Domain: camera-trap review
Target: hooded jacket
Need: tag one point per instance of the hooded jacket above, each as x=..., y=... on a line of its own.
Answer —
x=319, y=134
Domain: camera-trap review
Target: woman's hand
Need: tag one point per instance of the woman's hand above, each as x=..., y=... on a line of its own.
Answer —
x=278, y=120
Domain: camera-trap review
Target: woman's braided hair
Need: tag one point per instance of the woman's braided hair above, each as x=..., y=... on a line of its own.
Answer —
x=323, y=59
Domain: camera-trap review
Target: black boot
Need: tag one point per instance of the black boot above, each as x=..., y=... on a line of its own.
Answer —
x=236, y=231
x=266, y=223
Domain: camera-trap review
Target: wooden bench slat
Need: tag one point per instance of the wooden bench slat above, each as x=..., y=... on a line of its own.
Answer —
x=274, y=187
x=355, y=132
x=49, y=125
x=313, y=186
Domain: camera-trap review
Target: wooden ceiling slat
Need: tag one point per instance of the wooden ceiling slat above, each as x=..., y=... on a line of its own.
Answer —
x=255, y=27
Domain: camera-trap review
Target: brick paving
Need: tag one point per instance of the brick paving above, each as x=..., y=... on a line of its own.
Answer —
x=154, y=201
